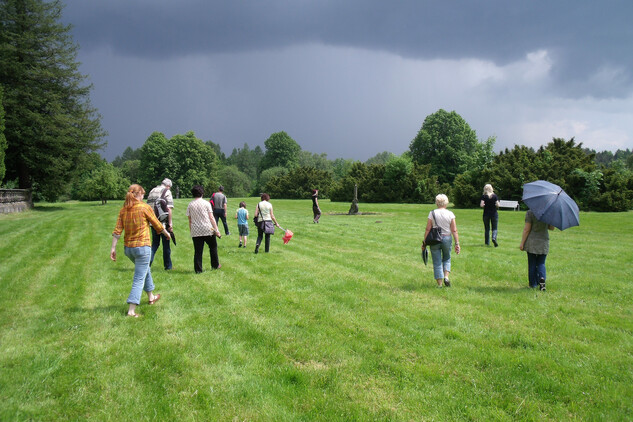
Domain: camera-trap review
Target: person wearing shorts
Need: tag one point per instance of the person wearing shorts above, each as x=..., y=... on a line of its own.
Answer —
x=242, y=223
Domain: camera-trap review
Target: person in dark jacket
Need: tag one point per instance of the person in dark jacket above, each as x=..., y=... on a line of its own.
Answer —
x=490, y=203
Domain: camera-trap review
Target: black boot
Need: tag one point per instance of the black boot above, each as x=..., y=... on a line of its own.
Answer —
x=256, y=248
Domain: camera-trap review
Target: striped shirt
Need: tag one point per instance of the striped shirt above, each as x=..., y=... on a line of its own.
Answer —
x=135, y=221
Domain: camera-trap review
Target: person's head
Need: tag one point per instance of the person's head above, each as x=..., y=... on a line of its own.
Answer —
x=197, y=191
x=265, y=197
x=242, y=204
x=315, y=191
x=221, y=188
x=166, y=182
x=488, y=190
x=441, y=200
x=134, y=194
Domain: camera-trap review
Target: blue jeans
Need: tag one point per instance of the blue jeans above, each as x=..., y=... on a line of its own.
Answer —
x=488, y=219
x=536, y=268
x=441, y=254
x=142, y=273
x=156, y=239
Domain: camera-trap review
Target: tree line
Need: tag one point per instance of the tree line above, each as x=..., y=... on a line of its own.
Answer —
x=50, y=136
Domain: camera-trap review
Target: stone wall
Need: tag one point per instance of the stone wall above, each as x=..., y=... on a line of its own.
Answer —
x=15, y=200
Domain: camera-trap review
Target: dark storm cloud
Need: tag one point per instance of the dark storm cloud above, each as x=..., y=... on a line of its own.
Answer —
x=589, y=41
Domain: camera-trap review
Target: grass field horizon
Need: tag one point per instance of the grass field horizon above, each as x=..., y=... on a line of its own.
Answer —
x=343, y=323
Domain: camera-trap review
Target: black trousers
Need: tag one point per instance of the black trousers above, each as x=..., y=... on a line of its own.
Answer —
x=220, y=215
x=198, y=246
x=260, y=235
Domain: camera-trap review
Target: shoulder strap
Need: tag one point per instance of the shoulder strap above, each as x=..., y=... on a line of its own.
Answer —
x=163, y=193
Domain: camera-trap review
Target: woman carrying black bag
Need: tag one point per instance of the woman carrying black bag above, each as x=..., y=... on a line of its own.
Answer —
x=265, y=218
x=441, y=252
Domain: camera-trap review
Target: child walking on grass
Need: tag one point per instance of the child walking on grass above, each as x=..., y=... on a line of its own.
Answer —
x=242, y=223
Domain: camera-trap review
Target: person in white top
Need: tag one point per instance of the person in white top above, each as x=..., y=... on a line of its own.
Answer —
x=264, y=212
x=203, y=229
x=441, y=253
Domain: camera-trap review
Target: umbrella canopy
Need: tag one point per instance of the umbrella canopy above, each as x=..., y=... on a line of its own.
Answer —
x=425, y=255
x=550, y=204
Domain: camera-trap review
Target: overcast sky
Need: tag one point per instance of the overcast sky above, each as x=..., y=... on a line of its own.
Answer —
x=353, y=78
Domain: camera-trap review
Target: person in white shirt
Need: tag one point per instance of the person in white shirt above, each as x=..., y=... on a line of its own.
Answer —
x=441, y=253
x=203, y=229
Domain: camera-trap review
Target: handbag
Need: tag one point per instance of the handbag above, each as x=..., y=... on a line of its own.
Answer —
x=435, y=234
x=269, y=227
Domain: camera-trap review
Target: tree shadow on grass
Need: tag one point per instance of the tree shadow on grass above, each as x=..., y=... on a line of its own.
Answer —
x=39, y=208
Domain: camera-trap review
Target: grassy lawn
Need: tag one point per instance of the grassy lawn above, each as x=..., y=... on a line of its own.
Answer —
x=343, y=323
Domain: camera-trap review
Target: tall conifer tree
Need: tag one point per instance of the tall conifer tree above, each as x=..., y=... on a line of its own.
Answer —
x=50, y=123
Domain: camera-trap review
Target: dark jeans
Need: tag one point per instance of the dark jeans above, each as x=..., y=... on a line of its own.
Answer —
x=220, y=215
x=488, y=219
x=317, y=213
x=260, y=235
x=536, y=268
x=156, y=239
x=198, y=247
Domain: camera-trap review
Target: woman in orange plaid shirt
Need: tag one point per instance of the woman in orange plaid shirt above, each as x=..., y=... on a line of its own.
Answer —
x=134, y=218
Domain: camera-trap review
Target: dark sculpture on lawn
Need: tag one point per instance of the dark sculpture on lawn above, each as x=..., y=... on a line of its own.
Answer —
x=353, y=209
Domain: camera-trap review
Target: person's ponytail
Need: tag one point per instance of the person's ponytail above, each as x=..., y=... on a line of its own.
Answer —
x=130, y=196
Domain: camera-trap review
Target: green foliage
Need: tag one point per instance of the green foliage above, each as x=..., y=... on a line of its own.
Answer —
x=341, y=167
x=267, y=175
x=380, y=158
x=281, y=151
x=3, y=140
x=246, y=160
x=218, y=151
x=318, y=161
x=103, y=183
x=235, y=182
x=184, y=159
x=50, y=123
x=298, y=183
x=449, y=145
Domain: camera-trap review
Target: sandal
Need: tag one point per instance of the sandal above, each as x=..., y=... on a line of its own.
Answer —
x=156, y=297
x=134, y=315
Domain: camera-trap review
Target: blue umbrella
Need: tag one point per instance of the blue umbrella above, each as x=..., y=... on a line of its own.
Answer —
x=550, y=204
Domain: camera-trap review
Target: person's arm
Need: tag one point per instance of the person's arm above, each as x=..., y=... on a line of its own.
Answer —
x=455, y=236
x=189, y=217
x=214, y=224
x=429, y=226
x=551, y=227
x=115, y=240
x=526, y=231
x=116, y=234
x=497, y=204
x=225, y=205
x=482, y=203
x=171, y=226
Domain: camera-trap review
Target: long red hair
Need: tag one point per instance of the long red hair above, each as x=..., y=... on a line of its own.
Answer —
x=130, y=196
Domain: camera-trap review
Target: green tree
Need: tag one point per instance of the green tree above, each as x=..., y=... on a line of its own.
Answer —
x=341, y=167
x=318, y=161
x=448, y=144
x=103, y=183
x=246, y=160
x=281, y=151
x=155, y=160
x=299, y=182
x=235, y=182
x=191, y=162
x=266, y=175
x=49, y=120
x=380, y=158
x=3, y=141
x=128, y=155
